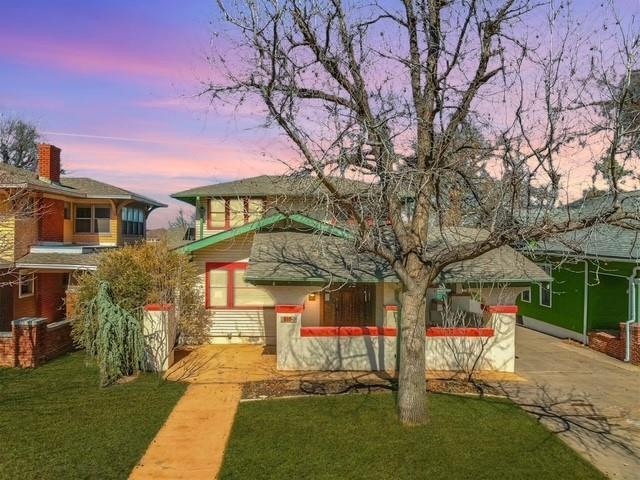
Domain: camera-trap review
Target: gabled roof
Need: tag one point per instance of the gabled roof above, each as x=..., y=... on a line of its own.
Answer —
x=261, y=224
x=80, y=187
x=270, y=186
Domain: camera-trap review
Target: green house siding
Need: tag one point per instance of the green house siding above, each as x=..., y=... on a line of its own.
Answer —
x=608, y=303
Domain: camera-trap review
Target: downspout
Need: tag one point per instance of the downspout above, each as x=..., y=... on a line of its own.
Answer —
x=199, y=210
x=585, y=304
x=632, y=314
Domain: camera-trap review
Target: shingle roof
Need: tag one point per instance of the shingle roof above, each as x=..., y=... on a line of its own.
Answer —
x=72, y=261
x=593, y=206
x=306, y=257
x=600, y=241
x=73, y=186
x=270, y=185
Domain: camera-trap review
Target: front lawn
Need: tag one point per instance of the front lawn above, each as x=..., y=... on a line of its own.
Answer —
x=57, y=423
x=358, y=436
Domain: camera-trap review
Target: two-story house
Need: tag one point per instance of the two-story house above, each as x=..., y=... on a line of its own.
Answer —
x=52, y=226
x=277, y=269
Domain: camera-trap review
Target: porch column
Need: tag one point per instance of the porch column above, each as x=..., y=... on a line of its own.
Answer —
x=503, y=350
x=29, y=340
x=288, y=322
x=391, y=313
x=159, y=330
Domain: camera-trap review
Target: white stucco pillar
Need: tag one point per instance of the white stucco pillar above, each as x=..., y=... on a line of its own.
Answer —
x=159, y=330
x=391, y=314
x=288, y=322
x=502, y=351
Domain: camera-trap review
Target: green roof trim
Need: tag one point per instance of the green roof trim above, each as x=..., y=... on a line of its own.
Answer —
x=260, y=224
x=320, y=226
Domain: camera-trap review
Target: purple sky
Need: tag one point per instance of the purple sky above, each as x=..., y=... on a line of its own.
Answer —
x=106, y=82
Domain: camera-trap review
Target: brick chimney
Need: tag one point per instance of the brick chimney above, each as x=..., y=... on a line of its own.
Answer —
x=49, y=163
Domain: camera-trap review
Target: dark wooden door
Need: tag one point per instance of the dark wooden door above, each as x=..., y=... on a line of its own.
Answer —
x=6, y=307
x=350, y=306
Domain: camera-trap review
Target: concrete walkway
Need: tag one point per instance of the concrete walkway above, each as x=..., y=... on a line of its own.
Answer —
x=192, y=441
x=590, y=399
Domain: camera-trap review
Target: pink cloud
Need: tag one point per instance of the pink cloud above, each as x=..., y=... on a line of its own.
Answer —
x=83, y=57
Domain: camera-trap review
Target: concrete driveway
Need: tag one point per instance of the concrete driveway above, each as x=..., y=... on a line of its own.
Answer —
x=590, y=399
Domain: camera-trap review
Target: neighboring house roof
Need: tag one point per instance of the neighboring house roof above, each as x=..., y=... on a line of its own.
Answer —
x=600, y=241
x=174, y=236
x=271, y=185
x=306, y=257
x=13, y=177
x=61, y=261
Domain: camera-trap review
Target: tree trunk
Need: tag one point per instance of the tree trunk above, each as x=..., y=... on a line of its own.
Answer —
x=412, y=385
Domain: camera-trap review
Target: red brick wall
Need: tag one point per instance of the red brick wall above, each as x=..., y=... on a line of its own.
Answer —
x=30, y=346
x=615, y=346
x=7, y=351
x=51, y=293
x=58, y=341
x=51, y=220
x=27, y=306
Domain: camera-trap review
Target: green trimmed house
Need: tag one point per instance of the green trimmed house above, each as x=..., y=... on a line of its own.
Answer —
x=267, y=241
x=596, y=278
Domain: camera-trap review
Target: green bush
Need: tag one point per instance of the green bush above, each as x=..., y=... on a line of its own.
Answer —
x=108, y=300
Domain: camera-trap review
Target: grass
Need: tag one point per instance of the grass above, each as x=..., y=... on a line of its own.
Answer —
x=57, y=423
x=358, y=437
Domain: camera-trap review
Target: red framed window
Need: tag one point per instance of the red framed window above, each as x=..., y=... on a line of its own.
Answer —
x=226, y=288
x=226, y=213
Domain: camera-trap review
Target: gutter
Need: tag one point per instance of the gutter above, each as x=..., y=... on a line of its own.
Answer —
x=57, y=266
x=632, y=314
x=585, y=305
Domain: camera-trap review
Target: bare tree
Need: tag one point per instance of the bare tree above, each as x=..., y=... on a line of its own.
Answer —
x=382, y=92
x=18, y=143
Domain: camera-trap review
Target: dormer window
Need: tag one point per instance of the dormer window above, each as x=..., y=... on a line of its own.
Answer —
x=226, y=213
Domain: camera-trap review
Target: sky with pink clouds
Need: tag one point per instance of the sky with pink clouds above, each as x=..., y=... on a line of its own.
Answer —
x=112, y=84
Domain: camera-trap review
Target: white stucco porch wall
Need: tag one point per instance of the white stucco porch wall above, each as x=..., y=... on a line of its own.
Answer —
x=378, y=352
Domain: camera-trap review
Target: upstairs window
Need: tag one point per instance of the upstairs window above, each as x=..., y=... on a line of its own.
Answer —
x=93, y=219
x=217, y=213
x=27, y=284
x=132, y=221
x=236, y=212
x=226, y=213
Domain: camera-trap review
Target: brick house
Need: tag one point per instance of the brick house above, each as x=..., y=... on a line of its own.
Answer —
x=51, y=227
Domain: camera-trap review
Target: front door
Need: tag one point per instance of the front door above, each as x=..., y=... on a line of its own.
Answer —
x=6, y=307
x=350, y=306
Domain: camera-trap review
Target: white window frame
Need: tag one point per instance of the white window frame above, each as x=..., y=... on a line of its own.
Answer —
x=528, y=290
x=31, y=279
x=550, y=286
